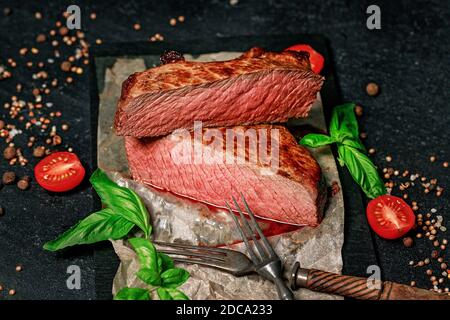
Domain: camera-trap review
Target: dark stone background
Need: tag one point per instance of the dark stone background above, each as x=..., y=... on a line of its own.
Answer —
x=408, y=58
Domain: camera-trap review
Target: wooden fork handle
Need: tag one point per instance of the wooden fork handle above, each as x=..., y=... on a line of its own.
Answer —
x=360, y=288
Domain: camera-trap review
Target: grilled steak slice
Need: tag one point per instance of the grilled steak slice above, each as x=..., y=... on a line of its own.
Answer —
x=258, y=87
x=280, y=179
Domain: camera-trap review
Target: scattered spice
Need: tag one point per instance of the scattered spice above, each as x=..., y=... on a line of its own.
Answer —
x=156, y=37
x=41, y=38
x=66, y=66
x=408, y=242
x=39, y=151
x=358, y=110
x=63, y=31
x=7, y=11
x=8, y=177
x=372, y=89
x=23, y=183
x=56, y=140
x=9, y=153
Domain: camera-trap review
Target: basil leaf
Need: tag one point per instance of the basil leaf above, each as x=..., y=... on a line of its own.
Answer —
x=132, y=294
x=98, y=226
x=343, y=120
x=148, y=259
x=122, y=201
x=171, y=294
x=173, y=278
x=362, y=170
x=164, y=262
x=354, y=143
x=163, y=294
x=146, y=253
x=314, y=140
x=149, y=276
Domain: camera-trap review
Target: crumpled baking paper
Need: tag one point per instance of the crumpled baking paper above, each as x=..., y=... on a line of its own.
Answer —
x=180, y=221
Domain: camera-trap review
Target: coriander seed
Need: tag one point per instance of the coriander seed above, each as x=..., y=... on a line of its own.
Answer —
x=372, y=89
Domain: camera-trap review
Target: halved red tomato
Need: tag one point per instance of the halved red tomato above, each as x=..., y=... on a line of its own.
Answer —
x=390, y=217
x=59, y=172
x=315, y=59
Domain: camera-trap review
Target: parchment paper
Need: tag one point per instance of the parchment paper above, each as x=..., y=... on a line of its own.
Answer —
x=180, y=221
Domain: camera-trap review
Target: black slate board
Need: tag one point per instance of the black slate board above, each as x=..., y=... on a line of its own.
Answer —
x=358, y=251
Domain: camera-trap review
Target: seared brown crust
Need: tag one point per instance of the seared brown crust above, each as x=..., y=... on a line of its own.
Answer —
x=297, y=163
x=181, y=74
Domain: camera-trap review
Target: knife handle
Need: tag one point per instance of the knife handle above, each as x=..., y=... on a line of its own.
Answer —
x=360, y=288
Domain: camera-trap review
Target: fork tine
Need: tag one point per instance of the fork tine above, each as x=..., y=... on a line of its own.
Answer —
x=191, y=254
x=191, y=247
x=260, y=249
x=244, y=238
x=258, y=229
x=201, y=262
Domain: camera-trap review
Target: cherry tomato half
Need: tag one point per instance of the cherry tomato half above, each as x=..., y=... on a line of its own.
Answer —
x=390, y=217
x=59, y=172
x=315, y=59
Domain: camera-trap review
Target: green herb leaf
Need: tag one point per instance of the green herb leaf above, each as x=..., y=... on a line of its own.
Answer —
x=315, y=140
x=132, y=294
x=164, y=262
x=344, y=126
x=122, y=201
x=148, y=259
x=362, y=170
x=343, y=120
x=98, y=226
x=149, y=276
x=171, y=294
x=357, y=144
x=173, y=278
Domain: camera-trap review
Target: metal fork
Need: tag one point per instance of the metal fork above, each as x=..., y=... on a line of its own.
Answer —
x=266, y=261
x=231, y=261
x=267, y=264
